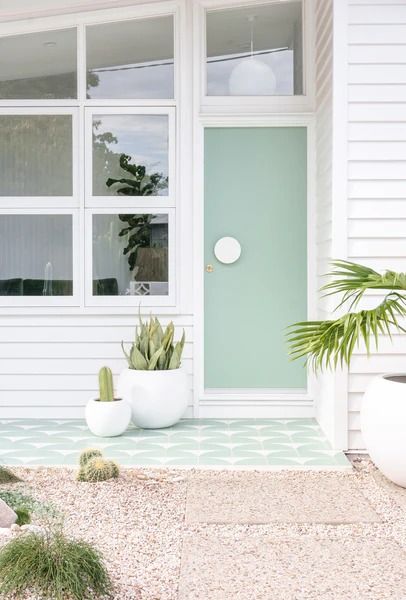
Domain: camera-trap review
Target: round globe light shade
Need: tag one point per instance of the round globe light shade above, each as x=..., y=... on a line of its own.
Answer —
x=227, y=250
x=252, y=77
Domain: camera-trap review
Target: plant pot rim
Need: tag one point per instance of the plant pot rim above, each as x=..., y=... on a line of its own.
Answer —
x=155, y=371
x=107, y=401
x=399, y=378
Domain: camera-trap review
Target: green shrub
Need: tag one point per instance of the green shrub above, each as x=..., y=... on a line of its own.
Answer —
x=16, y=499
x=153, y=349
x=98, y=469
x=53, y=567
x=23, y=515
x=87, y=454
x=7, y=476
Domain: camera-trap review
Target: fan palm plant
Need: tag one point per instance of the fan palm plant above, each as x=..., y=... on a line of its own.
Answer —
x=327, y=344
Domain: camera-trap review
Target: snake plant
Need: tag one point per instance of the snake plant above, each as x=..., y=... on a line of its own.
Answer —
x=331, y=343
x=154, y=348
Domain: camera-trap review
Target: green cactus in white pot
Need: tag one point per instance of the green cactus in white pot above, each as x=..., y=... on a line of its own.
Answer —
x=155, y=382
x=107, y=416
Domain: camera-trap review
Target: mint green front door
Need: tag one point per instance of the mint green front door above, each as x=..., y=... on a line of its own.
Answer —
x=255, y=191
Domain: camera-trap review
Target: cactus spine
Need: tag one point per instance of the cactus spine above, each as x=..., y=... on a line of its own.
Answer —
x=106, y=385
x=88, y=454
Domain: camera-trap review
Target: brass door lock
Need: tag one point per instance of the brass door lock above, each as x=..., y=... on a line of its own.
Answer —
x=209, y=268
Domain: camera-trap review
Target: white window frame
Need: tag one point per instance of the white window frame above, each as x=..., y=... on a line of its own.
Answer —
x=130, y=301
x=181, y=295
x=56, y=301
x=253, y=104
x=129, y=201
x=56, y=202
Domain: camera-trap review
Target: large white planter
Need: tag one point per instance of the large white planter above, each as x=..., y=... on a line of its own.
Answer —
x=158, y=398
x=107, y=419
x=383, y=424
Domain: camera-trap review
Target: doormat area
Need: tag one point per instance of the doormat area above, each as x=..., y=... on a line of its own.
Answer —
x=277, y=497
x=247, y=566
x=205, y=443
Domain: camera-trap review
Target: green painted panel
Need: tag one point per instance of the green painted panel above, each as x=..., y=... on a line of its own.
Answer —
x=255, y=191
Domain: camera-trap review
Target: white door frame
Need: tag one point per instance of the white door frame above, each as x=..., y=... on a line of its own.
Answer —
x=249, y=403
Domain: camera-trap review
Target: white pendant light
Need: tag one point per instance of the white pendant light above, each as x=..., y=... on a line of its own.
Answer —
x=251, y=76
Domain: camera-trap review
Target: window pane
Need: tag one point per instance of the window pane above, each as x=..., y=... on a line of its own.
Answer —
x=255, y=51
x=130, y=255
x=131, y=147
x=36, y=255
x=39, y=65
x=35, y=155
x=130, y=59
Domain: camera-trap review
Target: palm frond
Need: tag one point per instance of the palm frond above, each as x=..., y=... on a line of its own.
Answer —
x=353, y=280
x=326, y=344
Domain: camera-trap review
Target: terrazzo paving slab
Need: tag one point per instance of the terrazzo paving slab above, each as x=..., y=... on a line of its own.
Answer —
x=246, y=566
x=218, y=443
x=277, y=497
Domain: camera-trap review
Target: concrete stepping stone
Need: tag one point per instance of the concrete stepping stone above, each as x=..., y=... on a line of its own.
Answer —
x=245, y=567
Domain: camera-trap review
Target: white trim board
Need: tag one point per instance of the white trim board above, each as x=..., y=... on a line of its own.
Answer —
x=255, y=409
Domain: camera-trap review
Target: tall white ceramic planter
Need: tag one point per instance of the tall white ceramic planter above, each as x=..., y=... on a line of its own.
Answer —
x=157, y=398
x=108, y=419
x=383, y=424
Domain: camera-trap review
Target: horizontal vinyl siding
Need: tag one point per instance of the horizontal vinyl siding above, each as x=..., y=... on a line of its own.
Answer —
x=376, y=171
x=49, y=365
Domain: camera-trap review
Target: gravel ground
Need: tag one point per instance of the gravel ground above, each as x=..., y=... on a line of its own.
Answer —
x=138, y=522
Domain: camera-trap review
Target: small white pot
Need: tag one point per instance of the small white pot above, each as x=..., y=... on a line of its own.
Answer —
x=383, y=424
x=107, y=419
x=158, y=398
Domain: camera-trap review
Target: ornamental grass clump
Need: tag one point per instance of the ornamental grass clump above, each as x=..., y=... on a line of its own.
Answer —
x=53, y=567
x=153, y=348
x=23, y=515
x=7, y=476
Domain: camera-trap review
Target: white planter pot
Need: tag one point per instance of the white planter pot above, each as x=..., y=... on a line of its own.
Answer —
x=383, y=424
x=158, y=398
x=107, y=419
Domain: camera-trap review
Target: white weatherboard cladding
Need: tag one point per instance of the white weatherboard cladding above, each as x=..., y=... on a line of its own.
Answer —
x=49, y=365
x=376, y=169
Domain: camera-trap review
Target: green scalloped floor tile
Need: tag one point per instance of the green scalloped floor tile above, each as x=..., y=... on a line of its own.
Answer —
x=320, y=461
x=254, y=461
x=341, y=459
x=212, y=460
x=281, y=461
x=184, y=461
x=226, y=453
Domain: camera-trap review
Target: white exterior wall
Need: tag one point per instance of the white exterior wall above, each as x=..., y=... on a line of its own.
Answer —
x=49, y=365
x=376, y=168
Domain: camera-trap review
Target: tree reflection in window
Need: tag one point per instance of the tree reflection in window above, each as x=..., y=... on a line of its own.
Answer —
x=140, y=184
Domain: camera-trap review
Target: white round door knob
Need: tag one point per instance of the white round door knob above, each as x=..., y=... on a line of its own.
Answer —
x=227, y=250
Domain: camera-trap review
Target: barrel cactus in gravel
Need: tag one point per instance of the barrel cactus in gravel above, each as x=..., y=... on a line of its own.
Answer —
x=154, y=349
x=88, y=454
x=98, y=469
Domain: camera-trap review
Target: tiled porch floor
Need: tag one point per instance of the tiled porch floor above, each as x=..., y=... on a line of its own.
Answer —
x=192, y=442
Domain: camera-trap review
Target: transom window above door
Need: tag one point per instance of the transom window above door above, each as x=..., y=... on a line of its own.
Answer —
x=255, y=50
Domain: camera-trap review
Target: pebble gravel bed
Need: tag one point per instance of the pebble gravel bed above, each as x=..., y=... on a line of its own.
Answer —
x=138, y=522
